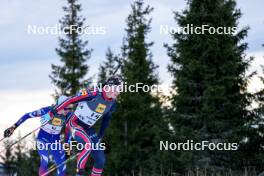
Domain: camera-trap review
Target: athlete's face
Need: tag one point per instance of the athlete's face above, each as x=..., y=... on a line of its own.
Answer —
x=66, y=110
x=112, y=91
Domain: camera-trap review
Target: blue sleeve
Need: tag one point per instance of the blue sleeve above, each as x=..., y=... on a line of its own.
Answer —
x=33, y=114
x=105, y=121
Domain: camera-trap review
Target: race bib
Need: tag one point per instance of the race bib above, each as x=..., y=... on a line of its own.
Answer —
x=52, y=129
x=52, y=126
x=88, y=116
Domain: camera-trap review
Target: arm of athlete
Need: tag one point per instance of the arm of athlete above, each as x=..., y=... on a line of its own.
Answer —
x=105, y=122
x=9, y=131
x=82, y=96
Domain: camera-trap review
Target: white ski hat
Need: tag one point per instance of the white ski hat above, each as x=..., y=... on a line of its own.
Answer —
x=61, y=99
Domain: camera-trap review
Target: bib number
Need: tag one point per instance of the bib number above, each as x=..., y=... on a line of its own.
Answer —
x=86, y=115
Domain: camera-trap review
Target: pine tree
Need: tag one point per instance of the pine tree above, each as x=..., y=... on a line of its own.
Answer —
x=8, y=159
x=137, y=125
x=255, y=140
x=108, y=67
x=21, y=158
x=209, y=81
x=72, y=51
x=260, y=96
x=260, y=100
x=33, y=161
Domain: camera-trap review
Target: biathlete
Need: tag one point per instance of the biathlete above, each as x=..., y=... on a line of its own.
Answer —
x=51, y=125
x=92, y=105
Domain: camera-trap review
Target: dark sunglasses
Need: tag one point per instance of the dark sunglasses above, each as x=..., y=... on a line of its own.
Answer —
x=68, y=109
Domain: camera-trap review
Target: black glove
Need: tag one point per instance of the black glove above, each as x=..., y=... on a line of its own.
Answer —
x=9, y=131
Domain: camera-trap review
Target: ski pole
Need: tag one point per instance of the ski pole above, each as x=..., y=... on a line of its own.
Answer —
x=53, y=167
x=2, y=139
x=117, y=68
x=23, y=137
x=20, y=139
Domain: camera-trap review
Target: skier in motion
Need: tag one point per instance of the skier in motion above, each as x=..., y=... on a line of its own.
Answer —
x=49, y=133
x=92, y=105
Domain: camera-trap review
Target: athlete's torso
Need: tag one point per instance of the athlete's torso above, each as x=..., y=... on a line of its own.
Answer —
x=53, y=126
x=90, y=111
